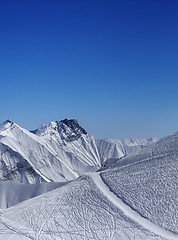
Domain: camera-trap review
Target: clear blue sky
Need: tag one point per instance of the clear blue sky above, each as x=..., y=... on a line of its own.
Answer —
x=113, y=65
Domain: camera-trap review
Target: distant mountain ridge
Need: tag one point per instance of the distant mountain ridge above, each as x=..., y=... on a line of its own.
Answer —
x=56, y=152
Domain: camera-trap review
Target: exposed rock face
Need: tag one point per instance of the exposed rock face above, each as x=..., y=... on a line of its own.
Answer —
x=73, y=125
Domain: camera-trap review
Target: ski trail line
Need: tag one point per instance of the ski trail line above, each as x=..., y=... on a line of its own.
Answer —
x=128, y=211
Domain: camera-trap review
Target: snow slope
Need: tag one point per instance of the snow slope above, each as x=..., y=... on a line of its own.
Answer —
x=129, y=212
x=79, y=210
x=134, y=198
x=56, y=152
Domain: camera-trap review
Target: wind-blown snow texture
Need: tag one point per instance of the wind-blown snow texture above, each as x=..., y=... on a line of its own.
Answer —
x=134, y=198
x=56, y=152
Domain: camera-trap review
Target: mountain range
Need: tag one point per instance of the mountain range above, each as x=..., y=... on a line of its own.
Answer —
x=56, y=152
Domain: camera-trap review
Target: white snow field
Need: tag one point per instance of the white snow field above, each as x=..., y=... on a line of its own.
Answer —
x=78, y=210
x=56, y=152
x=135, y=198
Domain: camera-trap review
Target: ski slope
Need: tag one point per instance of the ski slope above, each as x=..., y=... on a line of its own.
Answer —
x=78, y=210
x=129, y=212
x=148, y=182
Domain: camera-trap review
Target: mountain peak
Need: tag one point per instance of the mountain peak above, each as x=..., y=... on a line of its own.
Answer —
x=69, y=122
x=6, y=125
x=65, y=130
x=73, y=125
x=8, y=121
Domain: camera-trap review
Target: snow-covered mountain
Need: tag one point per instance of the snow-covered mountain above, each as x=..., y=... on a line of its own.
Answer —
x=56, y=152
x=134, y=198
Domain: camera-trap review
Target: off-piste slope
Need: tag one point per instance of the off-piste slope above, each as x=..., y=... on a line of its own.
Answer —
x=78, y=210
x=148, y=182
x=133, y=199
x=56, y=152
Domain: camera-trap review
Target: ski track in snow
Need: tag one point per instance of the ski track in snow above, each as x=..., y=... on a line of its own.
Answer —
x=145, y=223
x=17, y=229
x=39, y=232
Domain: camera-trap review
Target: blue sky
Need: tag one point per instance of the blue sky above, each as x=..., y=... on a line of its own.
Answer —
x=113, y=65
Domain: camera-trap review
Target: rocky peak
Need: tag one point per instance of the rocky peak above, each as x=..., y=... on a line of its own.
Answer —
x=73, y=125
x=65, y=130
x=70, y=129
x=8, y=121
x=6, y=125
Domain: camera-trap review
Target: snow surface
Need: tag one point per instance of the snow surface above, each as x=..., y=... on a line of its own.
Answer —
x=148, y=182
x=78, y=210
x=128, y=211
